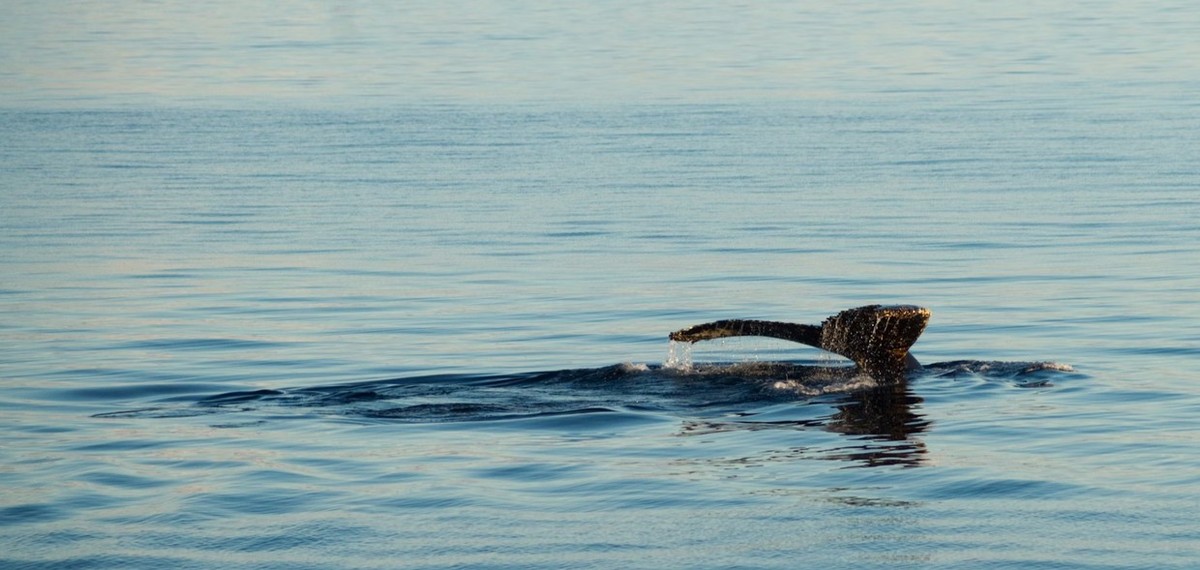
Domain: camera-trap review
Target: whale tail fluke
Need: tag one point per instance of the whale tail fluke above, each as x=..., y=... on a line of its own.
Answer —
x=875, y=337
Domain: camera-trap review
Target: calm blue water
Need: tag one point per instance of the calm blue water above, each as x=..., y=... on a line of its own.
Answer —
x=373, y=287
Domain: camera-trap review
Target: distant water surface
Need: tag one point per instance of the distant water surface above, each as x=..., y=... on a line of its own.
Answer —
x=403, y=301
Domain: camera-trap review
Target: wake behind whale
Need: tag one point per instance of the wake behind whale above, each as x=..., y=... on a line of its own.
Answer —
x=700, y=390
x=885, y=421
x=873, y=396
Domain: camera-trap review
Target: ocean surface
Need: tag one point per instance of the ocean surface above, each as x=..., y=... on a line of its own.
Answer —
x=389, y=286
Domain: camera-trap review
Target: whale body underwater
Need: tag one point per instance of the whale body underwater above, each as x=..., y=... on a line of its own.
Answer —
x=877, y=338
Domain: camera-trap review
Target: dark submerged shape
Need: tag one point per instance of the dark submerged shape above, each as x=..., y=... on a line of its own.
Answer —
x=875, y=337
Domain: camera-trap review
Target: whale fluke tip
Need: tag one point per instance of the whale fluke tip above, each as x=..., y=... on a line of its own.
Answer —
x=876, y=337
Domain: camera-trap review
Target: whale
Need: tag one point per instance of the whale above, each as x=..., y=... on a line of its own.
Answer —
x=876, y=337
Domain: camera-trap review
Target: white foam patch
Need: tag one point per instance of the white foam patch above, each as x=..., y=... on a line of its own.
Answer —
x=821, y=384
x=1056, y=366
x=632, y=367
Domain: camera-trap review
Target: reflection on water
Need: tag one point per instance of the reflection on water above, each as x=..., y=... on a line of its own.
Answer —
x=882, y=421
x=883, y=413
